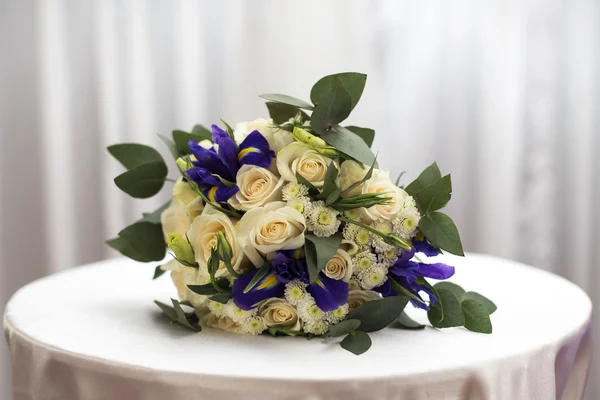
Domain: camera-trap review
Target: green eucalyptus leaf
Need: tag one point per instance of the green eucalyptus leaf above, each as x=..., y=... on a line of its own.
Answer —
x=456, y=290
x=343, y=328
x=477, y=316
x=320, y=250
x=143, y=181
x=167, y=310
x=489, y=305
x=376, y=315
x=329, y=182
x=228, y=128
x=123, y=247
x=430, y=175
x=141, y=241
x=285, y=99
x=353, y=83
x=133, y=155
x=333, y=196
x=366, y=134
x=178, y=316
x=170, y=145
x=209, y=289
x=350, y=144
x=281, y=113
x=182, y=138
x=154, y=216
x=446, y=312
x=222, y=298
x=440, y=231
x=158, y=271
x=356, y=342
x=274, y=331
x=435, y=196
x=312, y=190
x=335, y=106
x=200, y=130
x=405, y=322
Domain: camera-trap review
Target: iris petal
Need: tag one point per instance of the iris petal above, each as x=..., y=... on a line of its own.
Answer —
x=203, y=177
x=255, y=150
x=435, y=271
x=218, y=194
x=210, y=161
x=423, y=246
x=228, y=150
x=329, y=293
x=265, y=288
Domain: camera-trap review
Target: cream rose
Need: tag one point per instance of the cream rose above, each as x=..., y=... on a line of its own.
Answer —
x=302, y=159
x=339, y=267
x=224, y=323
x=203, y=237
x=279, y=313
x=183, y=276
x=190, y=199
x=277, y=138
x=357, y=298
x=175, y=219
x=257, y=187
x=350, y=173
x=380, y=182
x=272, y=227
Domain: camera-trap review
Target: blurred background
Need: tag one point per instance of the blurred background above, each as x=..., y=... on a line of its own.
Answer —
x=505, y=95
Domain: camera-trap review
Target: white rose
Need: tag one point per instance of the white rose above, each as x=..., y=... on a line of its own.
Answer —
x=272, y=227
x=277, y=138
x=339, y=267
x=357, y=298
x=279, y=313
x=302, y=159
x=380, y=182
x=257, y=186
x=203, y=237
x=224, y=323
x=175, y=219
x=350, y=173
x=183, y=276
x=191, y=201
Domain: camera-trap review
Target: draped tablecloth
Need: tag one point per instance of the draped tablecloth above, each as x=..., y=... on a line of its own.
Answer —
x=93, y=333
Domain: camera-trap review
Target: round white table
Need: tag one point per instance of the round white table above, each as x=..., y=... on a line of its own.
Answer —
x=94, y=333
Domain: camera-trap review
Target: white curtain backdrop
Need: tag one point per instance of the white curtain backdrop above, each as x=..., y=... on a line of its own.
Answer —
x=505, y=95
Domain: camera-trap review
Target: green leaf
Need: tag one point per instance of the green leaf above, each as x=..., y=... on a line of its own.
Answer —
x=477, y=316
x=141, y=241
x=446, y=312
x=228, y=128
x=350, y=144
x=167, y=310
x=133, y=155
x=329, y=184
x=343, y=328
x=334, y=107
x=285, y=99
x=366, y=134
x=378, y=314
x=202, y=131
x=403, y=291
x=143, y=181
x=158, y=271
x=182, y=138
x=170, y=145
x=333, y=196
x=281, y=113
x=435, y=196
x=429, y=176
x=405, y=322
x=489, y=305
x=353, y=83
x=274, y=331
x=440, y=231
x=178, y=316
x=209, y=289
x=356, y=342
x=319, y=251
x=312, y=190
x=456, y=290
x=264, y=270
x=154, y=216
x=222, y=298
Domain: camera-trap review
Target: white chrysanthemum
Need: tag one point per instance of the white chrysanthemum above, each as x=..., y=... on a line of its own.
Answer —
x=323, y=220
x=362, y=261
x=337, y=315
x=388, y=257
x=294, y=190
x=377, y=241
x=362, y=237
x=216, y=308
x=301, y=204
x=253, y=325
x=353, y=284
x=353, y=214
x=309, y=311
x=237, y=314
x=406, y=223
x=349, y=232
x=295, y=292
x=316, y=327
x=373, y=277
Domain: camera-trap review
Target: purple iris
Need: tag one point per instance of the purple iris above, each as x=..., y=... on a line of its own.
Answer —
x=215, y=171
x=406, y=273
x=286, y=266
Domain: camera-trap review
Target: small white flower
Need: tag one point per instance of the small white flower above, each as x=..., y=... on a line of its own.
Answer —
x=301, y=204
x=337, y=315
x=216, y=308
x=253, y=325
x=373, y=277
x=237, y=314
x=294, y=190
x=323, y=220
x=353, y=214
x=309, y=311
x=363, y=237
x=389, y=256
x=295, y=292
x=316, y=327
x=353, y=284
x=377, y=241
x=349, y=232
x=363, y=261
x=406, y=222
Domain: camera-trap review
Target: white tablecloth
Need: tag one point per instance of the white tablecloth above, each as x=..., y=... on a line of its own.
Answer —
x=94, y=333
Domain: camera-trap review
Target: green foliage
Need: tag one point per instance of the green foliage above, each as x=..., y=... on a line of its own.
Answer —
x=181, y=139
x=281, y=113
x=264, y=270
x=142, y=241
x=143, y=181
x=489, y=305
x=170, y=145
x=356, y=342
x=366, y=134
x=178, y=316
x=429, y=176
x=334, y=106
x=154, y=216
x=158, y=271
x=133, y=155
x=209, y=289
x=318, y=251
x=446, y=312
x=377, y=314
x=456, y=290
x=331, y=191
x=222, y=298
x=350, y=144
x=343, y=328
x=289, y=100
x=435, y=196
x=352, y=82
x=312, y=190
x=363, y=200
x=477, y=316
x=365, y=178
x=405, y=322
x=441, y=232
x=274, y=331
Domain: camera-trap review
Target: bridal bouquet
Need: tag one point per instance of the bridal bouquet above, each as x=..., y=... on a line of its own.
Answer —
x=288, y=226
